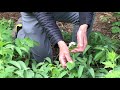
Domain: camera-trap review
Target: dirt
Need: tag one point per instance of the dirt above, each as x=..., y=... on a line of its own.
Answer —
x=103, y=27
x=100, y=26
x=10, y=15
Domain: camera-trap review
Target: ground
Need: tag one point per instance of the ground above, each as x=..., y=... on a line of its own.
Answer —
x=103, y=27
x=10, y=15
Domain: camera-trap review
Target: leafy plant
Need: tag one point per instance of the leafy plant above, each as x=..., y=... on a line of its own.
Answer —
x=10, y=50
x=100, y=58
x=115, y=27
x=67, y=36
x=117, y=15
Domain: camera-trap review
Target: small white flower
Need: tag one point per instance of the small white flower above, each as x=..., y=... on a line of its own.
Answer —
x=62, y=31
x=110, y=71
x=108, y=21
x=71, y=44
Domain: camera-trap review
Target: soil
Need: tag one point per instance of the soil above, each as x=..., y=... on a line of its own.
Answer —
x=10, y=15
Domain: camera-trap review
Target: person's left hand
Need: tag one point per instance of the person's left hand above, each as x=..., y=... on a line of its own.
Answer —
x=81, y=39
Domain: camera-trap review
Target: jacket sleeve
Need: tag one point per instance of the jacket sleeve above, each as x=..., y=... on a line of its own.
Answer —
x=86, y=18
x=49, y=24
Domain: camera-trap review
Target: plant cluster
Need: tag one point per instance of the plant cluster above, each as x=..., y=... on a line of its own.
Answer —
x=99, y=60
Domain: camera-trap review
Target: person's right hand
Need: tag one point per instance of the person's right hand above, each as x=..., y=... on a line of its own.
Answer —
x=64, y=55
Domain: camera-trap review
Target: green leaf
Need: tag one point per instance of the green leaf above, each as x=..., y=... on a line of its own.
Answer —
x=10, y=69
x=113, y=74
x=117, y=67
x=115, y=29
x=99, y=55
x=91, y=70
x=34, y=62
x=24, y=49
x=22, y=64
x=56, y=62
x=29, y=42
x=43, y=67
x=99, y=75
x=90, y=59
x=48, y=59
x=71, y=76
x=111, y=56
x=10, y=46
x=103, y=70
x=44, y=75
x=48, y=68
x=29, y=74
x=99, y=48
x=39, y=64
x=116, y=24
x=117, y=57
x=55, y=72
x=109, y=64
x=18, y=42
x=82, y=61
x=38, y=76
x=15, y=64
x=86, y=49
x=33, y=67
x=80, y=71
x=76, y=55
x=2, y=43
x=70, y=66
x=20, y=73
x=62, y=74
x=19, y=51
x=27, y=62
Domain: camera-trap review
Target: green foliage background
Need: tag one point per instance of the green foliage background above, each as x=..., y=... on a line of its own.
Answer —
x=101, y=59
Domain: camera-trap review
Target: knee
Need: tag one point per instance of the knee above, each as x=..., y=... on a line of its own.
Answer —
x=40, y=58
x=21, y=34
x=40, y=55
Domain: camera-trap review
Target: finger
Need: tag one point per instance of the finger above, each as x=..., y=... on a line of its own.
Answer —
x=78, y=49
x=63, y=62
x=68, y=58
x=80, y=44
x=80, y=40
x=85, y=42
x=75, y=50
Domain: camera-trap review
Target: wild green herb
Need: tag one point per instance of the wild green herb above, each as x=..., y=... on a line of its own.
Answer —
x=100, y=59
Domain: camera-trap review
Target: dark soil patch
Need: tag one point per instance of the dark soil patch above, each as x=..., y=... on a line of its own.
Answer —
x=103, y=27
x=10, y=15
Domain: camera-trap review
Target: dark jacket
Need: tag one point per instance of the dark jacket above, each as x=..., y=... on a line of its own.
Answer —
x=52, y=30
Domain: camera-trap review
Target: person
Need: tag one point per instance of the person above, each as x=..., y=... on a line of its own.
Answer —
x=42, y=27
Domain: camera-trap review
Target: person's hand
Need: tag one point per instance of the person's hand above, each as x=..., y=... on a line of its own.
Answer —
x=81, y=39
x=64, y=55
